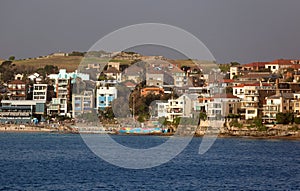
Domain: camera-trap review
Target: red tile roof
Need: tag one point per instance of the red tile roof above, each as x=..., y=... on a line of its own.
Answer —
x=255, y=64
x=282, y=62
x=228, y=80
x=16, y=82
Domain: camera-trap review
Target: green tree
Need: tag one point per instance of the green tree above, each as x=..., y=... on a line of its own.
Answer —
x=11, y=58
x=284, y=118
x=202, y=116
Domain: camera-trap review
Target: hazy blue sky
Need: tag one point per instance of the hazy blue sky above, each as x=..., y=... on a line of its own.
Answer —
x=233, y=30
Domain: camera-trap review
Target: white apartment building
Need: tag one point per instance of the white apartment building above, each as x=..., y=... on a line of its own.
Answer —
x=221, y=105
x=106, y=92
x=40, y=92
x=63, y=92
x=181, y=107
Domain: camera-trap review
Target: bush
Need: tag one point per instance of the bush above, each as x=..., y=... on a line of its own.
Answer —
x=235, y=123
x=297, y=120
x=284, y=118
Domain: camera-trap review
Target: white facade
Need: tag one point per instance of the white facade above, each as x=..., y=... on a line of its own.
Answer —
x=273, y=67
x=40, y=92
x=161, y=109
x=181, y=107
x=105, y=94
x=234, y=71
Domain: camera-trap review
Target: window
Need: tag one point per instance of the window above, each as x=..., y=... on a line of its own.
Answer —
x=251, y=111
x=274, y=67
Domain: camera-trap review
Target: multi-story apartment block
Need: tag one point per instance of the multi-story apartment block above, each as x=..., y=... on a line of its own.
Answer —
x=250, y=102
x=63, y=94
x=221, y=105
x=40, y=92
x=282, y=102
x=106, y=92
x=179, y=76
x=82, y=103
x=181, y=107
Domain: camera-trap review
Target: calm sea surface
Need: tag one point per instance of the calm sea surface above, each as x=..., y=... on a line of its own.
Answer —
x=64, y=162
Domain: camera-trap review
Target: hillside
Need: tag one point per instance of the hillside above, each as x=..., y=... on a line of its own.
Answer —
x=69, y=62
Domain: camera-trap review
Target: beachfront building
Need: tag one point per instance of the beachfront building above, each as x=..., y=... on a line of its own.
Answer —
x=40, y=92
x=106, y=92
x=21, y=111
x=160, y=109
x=82, y=103
x=181, y=107
x=282, y=102
x=222, y=105
x=59, y=104
x=249, y=103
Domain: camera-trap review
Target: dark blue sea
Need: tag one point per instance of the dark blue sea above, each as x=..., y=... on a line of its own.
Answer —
x=64, y=162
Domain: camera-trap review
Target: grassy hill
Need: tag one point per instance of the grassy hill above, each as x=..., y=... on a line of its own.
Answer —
x=70, y=63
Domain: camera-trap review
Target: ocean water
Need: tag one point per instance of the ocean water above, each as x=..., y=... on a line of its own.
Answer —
x=63, y=162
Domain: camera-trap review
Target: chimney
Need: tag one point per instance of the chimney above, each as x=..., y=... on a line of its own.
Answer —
x=277, y=86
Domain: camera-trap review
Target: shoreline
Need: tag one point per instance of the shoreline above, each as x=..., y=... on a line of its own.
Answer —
x=297, y=138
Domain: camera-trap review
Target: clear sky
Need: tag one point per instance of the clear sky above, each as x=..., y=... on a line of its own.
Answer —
x=233, y=30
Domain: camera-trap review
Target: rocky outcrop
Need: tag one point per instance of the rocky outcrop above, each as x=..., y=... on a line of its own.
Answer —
x=249, y=130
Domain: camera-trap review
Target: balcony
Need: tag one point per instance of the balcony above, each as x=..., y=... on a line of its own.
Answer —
x=249, y=101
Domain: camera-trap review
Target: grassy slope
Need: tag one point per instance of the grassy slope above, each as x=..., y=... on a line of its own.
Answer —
x=70, y=63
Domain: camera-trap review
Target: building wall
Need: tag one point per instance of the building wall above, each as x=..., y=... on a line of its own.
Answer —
x=40, y=92
x=82, y=103
x=104, y=96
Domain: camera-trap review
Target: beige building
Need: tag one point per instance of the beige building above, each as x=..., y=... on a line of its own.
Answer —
x=282, y=102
